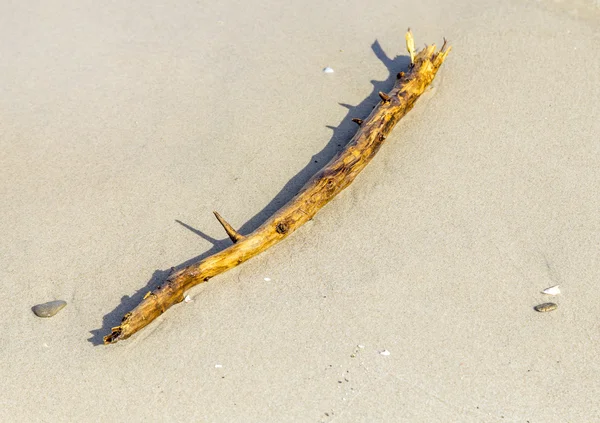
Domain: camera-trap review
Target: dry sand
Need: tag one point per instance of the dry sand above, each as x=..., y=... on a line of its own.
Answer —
x=119, y=120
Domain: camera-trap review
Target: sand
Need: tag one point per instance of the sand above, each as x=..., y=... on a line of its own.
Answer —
x=122, y=126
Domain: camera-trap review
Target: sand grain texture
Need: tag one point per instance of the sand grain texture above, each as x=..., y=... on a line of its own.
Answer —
x=117, y=120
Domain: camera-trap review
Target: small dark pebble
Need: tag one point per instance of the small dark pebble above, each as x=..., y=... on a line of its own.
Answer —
x=48, y=309
x=543, y=308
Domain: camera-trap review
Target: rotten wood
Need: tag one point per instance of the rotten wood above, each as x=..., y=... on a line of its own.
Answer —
x=317, y=192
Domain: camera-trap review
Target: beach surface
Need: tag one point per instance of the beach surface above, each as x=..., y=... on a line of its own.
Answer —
x=409, y=298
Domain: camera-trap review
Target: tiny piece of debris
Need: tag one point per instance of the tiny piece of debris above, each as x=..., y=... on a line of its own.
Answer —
x=328, y=70
x=188, y=299
x=356, y=350
x=553, y=290
x=48, y=309
x=218, y=366
x=267, y=279
x=384, y=352
x=546, y=307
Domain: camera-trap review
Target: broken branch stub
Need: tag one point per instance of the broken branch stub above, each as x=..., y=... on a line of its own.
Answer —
x=317, y=192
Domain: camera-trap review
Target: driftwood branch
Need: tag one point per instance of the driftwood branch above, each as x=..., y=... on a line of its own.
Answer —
x=317, y=192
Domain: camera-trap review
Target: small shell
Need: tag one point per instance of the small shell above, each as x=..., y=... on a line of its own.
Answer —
x=328, y=70
x=546, y=307
x=553, y=290
x=267, y=279
x=188, y=299
x=48, y=309
x=384, y=352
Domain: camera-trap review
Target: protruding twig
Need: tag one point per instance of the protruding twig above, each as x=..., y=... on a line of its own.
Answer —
x=384, y=97
x=233, y=234
x=410, y=46
x=358, y=121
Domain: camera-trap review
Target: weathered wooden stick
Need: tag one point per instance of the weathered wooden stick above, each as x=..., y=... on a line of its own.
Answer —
x=321, y=188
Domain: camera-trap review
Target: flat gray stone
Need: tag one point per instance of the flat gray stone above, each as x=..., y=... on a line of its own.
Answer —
x=48, y=309
x=546, y=307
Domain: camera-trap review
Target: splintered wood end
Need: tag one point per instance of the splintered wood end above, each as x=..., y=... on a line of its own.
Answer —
x=410, y=45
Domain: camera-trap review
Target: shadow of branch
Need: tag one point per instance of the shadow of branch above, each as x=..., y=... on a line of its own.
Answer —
x=341, y=135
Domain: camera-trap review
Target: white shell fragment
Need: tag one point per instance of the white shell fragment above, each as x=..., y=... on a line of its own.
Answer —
x=328, y=70
x=188, y=299
x=48, y=309
x=218, y=366
x=553, y=290
x=384, y=352
x=267, y=279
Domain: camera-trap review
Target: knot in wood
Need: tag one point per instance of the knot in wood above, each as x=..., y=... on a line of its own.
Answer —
x=331, y=185
x=281, y=228
x=384, y=97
